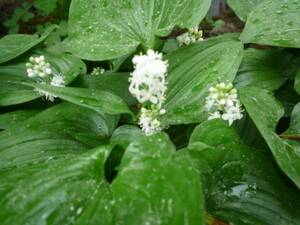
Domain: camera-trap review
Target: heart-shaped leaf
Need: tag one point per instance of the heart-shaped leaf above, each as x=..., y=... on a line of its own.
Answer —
x=104, y=29
x=243, y=186
x=265, y=111
x=192, y=71
x=274, y=23
x=52, y=192
x=73, y=189
x=16, y=44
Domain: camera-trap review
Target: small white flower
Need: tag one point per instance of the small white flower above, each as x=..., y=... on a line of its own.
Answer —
x=215, y=115
x=148, y=85
x=149, y=122
x=48, y=96
x=223, y=103
x=97, y=71
x=38, y=67
x=147, y=81
x=57, y=81
x=192, y=36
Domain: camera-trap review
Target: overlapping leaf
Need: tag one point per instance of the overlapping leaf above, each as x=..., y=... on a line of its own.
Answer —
x=116, y=83
x=100, y=101
x=265, y=111
x=10, y=119
x=53, y=192
x=73, y=189
x=59, y=131
x=105, y=29
x=243, y=186
x=274, y=23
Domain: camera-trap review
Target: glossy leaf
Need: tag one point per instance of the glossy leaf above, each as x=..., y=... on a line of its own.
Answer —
x=192, y=71
x=262, y=68
x=265, y=111
x=243, y=7
x=149, y=172
x=7, y=120
x=295, y=121
x=125, y=134
x=116, y=83
x=53, y=192
x=100, y=101
x=274, y=23
x=104, y=30
x=16, y=44
x=288, y=97
x=73, y=189
x=243, y=186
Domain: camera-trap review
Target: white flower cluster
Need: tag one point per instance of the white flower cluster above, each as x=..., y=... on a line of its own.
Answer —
x=223, y=103
x=97, y=71
x=149, y=120
x=41, y=71
x=148, y=84
x=192, y=36
x=38, y=67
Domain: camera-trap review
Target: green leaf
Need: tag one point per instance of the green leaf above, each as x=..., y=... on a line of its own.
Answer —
x=243, y=186
x=297, y=82
x=116, y=83
x=100, y=101
x=249, y=133
x=243, y=7
x=149, y=171
x=265, y=111
x=12, y=89
x=124, y=135
x=170, y=46
x=16, y=44
x=192, y=71
x=53, y=192
x=7, y=120
x=73, y=190
x=60, y=131
x=45, y=7
x=104, y=30
x=274, y=23
x=295, y=122
x=262, y=68
x=288, y=97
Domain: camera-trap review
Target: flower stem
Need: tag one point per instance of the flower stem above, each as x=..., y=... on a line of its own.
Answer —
x=211, y=220
x=293, y=137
